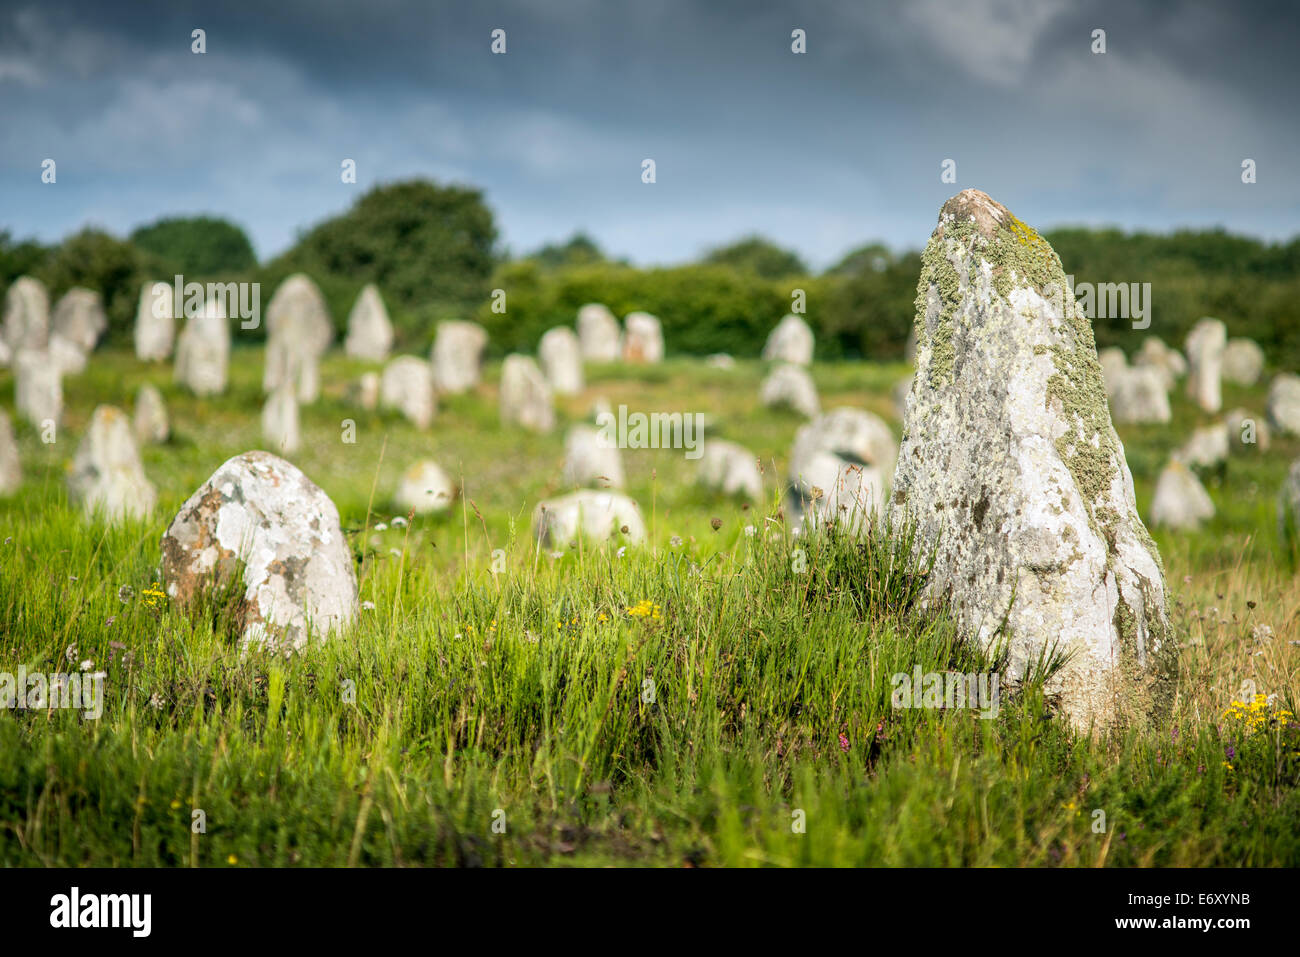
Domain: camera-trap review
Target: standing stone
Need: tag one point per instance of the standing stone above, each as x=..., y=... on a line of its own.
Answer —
x=1180, y=501
x=1288, y=509
x=525, y=395
x=840, y=465
x=11, y=468
x=365, y=391
x=1113, y=366
x=79, y=318
x=150, y=423
x=1207, y=447
x=280, y=420
x=791, y=341
x=720, y=360
x=203, y=351
x=298, y=332
x=261, y=518
x=27, y=315
x=107, y=475
x=1169, y=361
x=1248, y=431
x=598, y=333
x=66, y=354
x=643, y=339
x=370, y=333
x=587, y=513
x=1205, y=346
x=424, y=489
x=155, y=323
x=589, y=459
x=38, y=387
x=1243, y=361
x=1284, y=403
x=730, y=469
x=561, y=358
x=457, y=356
x=1139, y=395
x=790, y=387
x=1014, y=477
x=407, y=386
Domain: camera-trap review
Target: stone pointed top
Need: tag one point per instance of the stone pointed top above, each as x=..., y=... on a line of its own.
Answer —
x=975, y=204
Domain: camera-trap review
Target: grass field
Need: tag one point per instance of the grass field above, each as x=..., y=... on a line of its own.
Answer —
x=693, y=701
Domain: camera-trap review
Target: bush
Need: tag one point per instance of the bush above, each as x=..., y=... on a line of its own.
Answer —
x=196, y=246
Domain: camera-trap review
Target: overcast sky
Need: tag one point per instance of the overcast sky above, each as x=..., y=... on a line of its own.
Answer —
x=821, y=151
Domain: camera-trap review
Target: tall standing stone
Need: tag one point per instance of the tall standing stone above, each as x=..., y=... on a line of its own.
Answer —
x=107, y=475
x=11, y=468
x=298, y=332
x=203, y=351
x=1014, y=478
x=407, y=386
x=1180, y=501
x=261, y=518
x=525, y=395
x=370, y=332
x=598, y=333
x=27, y=315
x=38, y=387
x=280, y=421
x=560, y=355
x=1205, y=347
x=643, y=338
x=155, y=323
x=457, y=356
x=79, y=318
x=791, y=341
x=150, y=420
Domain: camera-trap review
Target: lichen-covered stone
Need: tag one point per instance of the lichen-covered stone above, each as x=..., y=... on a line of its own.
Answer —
x=155, y=324
x=789, y=386
x=1013, y=477
x=425, y=488
x=370, y=332
x=407, y=386
x=525, y=398
x=643, y=338
x=598, y=333
x=457, y=356
x=1180, y=500
x=107, y=476
x=261, y=518
x=1205, y=347
x=150, y=420
x=560, y=355
x=590, y=514
x=730, y=469
x=791, y=341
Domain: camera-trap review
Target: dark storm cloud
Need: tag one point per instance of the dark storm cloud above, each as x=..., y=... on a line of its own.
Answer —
x=820, y=151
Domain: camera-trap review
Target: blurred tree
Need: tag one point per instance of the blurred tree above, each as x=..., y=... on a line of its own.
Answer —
x=580, y=250
x=196, y=246
x=759, y=256
x=101, y=262
x=19, y=258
